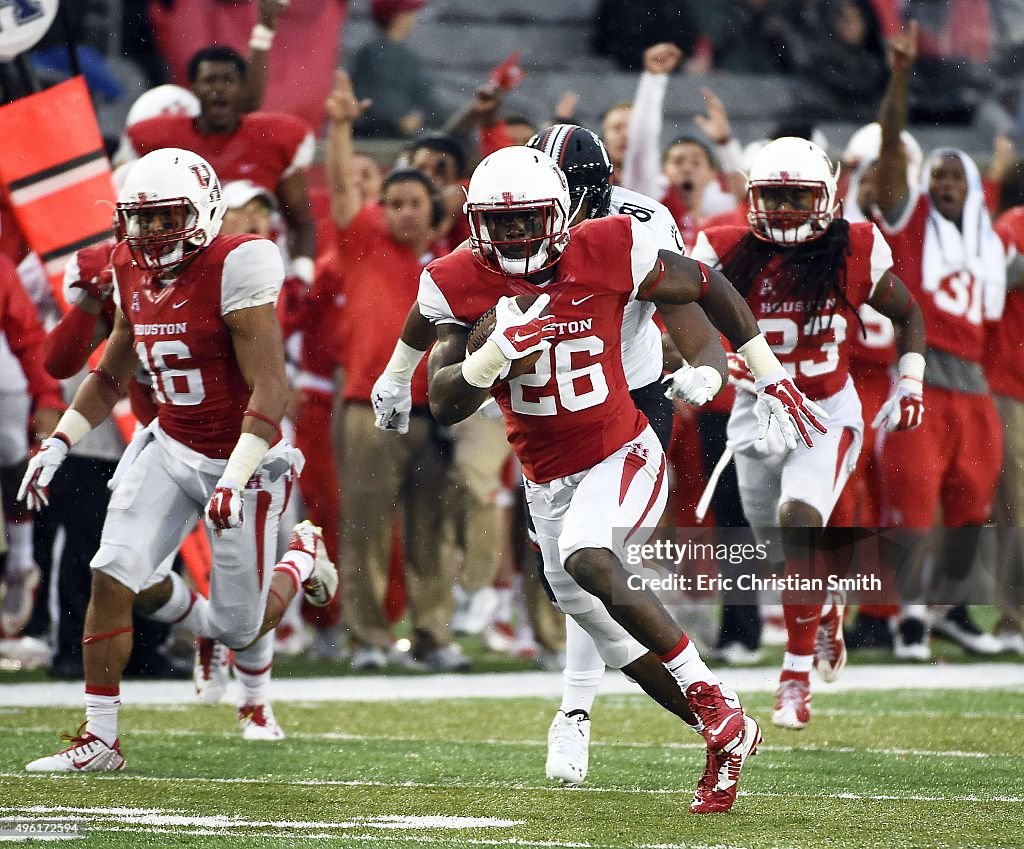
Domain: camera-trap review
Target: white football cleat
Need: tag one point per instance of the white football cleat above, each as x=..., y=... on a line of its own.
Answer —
x=258, y=723
x=320, y=587
x=792, y=705
x=569, y=747
x=212, y=670
x=87, y=753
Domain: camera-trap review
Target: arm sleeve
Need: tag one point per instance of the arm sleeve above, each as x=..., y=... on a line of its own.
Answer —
x=643, y=254
x=433, y=304
x=881, y=257
x=641, y=167
x=253, y=275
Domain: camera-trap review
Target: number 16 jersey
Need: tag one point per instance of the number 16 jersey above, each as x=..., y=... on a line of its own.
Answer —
x=183, y=342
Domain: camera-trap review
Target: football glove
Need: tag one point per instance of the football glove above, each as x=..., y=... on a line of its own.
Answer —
x=225, y=508
x=392, y=402
x=779, y=399
x=35, y=485
x=519, y=334
x=905, y=409
x=695, y=386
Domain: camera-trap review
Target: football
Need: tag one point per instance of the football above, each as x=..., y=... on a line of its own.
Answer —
x=484, y=327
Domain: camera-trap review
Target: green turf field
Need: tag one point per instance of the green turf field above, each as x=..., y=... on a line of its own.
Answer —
x=900, y=769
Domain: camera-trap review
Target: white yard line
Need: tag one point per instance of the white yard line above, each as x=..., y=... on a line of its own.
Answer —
x=428, y=829
x=506, y=787
x=978, y=676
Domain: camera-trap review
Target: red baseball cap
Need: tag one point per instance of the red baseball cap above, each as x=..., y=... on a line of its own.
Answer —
x=382, y=11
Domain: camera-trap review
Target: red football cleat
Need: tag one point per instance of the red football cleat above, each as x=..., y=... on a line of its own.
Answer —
x=716, y=791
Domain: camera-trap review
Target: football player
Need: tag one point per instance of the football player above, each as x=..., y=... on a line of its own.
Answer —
x=805, y=273
x=591, y=462
x=587, y=166
x=197, y=311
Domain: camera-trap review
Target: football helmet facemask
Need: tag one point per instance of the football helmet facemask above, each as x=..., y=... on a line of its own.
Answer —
x=517, y=205
x=170, y=207
x=791, y=191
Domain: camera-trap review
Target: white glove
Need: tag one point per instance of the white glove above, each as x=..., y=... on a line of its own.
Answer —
x=225, y=508
x=519, y=334
x=904, y=410
x=392, y=402
x=34, y=489
x=695, y=386
x=779, y=399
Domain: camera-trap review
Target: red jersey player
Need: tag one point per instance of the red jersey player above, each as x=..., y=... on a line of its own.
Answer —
x=197, y=311
x=805, y=275
x=591, y=462
x=270, y=149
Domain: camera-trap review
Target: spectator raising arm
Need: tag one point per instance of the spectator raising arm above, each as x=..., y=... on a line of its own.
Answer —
x=641, y=167
x=342, y=109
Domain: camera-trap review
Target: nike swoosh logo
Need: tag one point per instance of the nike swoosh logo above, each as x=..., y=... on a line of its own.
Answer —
x=179, y=304
x=519, y=338
x=721, y=726
x=803, y=620
x=576, y=303
x=86, y=762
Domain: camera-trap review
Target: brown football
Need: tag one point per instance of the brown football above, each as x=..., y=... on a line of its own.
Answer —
x=484, y=327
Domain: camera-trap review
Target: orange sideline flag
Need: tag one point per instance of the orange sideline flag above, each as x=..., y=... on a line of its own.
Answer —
x=58, y=180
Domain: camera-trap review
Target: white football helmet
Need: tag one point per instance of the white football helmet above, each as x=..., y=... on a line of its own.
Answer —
x=165, y=99
x=526, y=185
x=791, y=163
x=180, y=190
x=866, y=142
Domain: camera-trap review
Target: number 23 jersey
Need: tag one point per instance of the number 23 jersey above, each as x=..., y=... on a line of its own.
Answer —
x=181, y=338
x=816, y=353
x=573, y=409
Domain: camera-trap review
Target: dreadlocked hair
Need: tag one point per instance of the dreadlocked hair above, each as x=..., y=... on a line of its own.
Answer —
x=813, y=272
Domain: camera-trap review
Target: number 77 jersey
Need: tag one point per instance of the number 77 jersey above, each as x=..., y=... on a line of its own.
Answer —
x=182, y=341
x=814, y=350
x=573, y=409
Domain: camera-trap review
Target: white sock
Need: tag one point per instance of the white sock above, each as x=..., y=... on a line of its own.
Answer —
x=252, y=670
x=101, y=715
x=688, y=668
x=801, y=663
x=584, y=669
x=298, y=564
x=19, y=547
x=185, y=607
